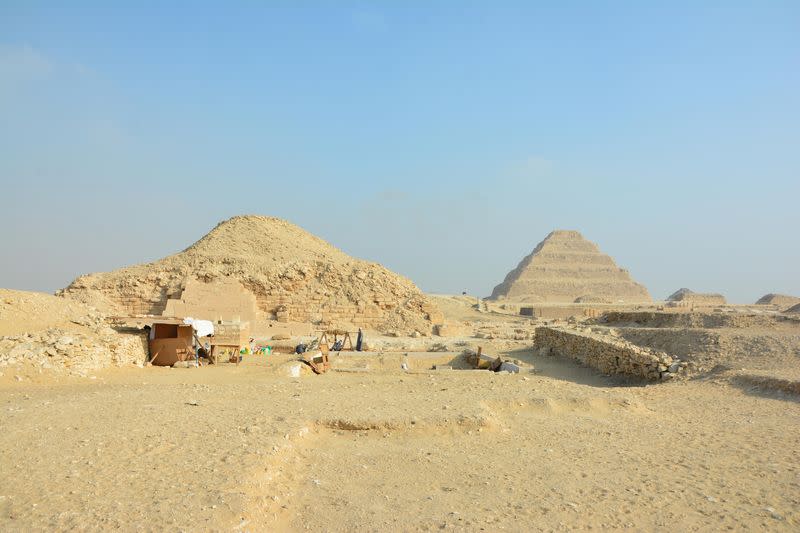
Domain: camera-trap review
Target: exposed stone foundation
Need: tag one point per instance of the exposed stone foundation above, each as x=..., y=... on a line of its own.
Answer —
x=608, y=354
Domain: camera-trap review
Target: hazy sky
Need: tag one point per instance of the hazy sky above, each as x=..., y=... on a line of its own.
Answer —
x=442, y=139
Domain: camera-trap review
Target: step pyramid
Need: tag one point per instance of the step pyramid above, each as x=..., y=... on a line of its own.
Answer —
x=567, y=268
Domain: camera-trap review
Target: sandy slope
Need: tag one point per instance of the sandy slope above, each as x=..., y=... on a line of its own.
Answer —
x=249, y=449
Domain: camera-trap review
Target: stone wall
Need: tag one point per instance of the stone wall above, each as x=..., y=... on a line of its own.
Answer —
x=291, y=300
x=689, y=344
x=558, y=312
x=223, y=299
x=606, y=353
x=319, y=309
x=656, y=319
x=153, y=302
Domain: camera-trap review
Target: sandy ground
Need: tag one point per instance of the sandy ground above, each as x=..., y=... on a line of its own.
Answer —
x=249, y=449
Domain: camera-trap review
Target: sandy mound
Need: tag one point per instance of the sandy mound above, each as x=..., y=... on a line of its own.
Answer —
x=56, y=333
x=795, y=309
x=293, y=275
x=565, y=266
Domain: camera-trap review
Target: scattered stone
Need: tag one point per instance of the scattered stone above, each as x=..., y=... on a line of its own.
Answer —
x=509, y=367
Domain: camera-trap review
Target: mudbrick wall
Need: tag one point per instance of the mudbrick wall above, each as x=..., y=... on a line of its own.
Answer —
x=607, y=353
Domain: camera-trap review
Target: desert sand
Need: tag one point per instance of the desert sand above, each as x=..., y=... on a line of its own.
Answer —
x=369, y=446
x=247, y=448
x=645, y=417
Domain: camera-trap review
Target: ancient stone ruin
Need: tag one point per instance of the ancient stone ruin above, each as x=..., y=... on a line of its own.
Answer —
x=255, y=268
x=780, y=301
x=690, y=298
x=566, y=268
x=608, y=354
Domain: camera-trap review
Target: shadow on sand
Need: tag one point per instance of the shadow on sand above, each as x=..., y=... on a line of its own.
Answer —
x=773, y=388
x=569, y=370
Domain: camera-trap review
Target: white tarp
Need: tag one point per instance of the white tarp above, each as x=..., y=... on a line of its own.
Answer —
x=202, y=327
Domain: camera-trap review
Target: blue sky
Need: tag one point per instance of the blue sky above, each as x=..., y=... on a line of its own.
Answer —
x=441, y=139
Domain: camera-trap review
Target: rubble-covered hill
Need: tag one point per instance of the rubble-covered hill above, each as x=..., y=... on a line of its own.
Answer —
x=43, y=331
x=293, y=274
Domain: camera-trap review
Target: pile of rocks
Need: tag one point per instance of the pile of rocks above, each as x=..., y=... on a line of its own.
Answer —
x=76, y=353
x=45, y=332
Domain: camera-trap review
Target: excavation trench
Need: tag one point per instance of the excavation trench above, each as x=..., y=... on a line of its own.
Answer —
x=343, y=470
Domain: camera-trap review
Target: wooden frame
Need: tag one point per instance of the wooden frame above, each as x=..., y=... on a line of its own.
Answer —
x=224, y=348
x=347, y=342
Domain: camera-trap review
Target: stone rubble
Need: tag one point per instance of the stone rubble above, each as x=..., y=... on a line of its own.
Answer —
x=75, y=353
x=44, y=332
x=289, y=274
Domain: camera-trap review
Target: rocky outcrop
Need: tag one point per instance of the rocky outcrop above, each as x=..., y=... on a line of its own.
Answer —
x=293, y=276
x=565, y=268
